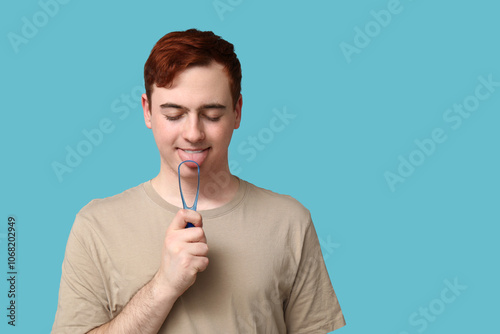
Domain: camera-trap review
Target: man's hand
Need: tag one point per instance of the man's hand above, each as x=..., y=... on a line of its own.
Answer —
x=184, y=254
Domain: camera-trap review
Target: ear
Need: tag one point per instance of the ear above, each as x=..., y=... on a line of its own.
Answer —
x=147, y=110
x=237, y=110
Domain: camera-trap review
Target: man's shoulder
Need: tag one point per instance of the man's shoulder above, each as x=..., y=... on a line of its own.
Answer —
x=275, y=201
x=116, y=203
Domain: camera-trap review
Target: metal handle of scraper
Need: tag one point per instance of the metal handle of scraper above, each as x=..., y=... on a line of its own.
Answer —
x=184, y=205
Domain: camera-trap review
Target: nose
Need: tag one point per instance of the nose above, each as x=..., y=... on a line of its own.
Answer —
x=193, y=129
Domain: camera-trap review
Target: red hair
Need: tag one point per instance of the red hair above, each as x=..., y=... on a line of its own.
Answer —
x=178, y=50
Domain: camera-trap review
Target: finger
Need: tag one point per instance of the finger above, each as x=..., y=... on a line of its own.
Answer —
x=184, y=216
x=194, y=218
x=191, y=235
x=197, y=249
x=200, y=263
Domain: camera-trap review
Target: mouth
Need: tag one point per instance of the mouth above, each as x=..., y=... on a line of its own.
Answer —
x=191, y=151
x=197, y=155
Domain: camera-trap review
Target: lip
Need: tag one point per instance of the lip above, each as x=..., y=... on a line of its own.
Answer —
x=197, y=154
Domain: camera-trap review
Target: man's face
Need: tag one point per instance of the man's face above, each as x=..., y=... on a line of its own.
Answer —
x=194, y=119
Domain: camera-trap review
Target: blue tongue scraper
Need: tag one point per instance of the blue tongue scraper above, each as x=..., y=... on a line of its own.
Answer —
x=184, y=205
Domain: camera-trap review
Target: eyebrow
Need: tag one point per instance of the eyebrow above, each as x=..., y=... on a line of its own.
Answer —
x=203, y=107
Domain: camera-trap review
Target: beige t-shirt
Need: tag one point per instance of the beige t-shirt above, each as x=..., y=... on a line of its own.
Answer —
x=266, y=272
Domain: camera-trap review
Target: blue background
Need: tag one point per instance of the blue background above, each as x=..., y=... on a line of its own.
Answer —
x=388, y=250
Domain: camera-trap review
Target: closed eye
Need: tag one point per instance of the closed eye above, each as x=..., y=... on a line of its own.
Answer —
x=213, y=119
x=173, y=118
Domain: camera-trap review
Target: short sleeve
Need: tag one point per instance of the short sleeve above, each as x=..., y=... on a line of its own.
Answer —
x=82, y=303
x=312, y=306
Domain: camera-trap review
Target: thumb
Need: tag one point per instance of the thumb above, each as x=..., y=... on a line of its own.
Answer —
x=183, y=217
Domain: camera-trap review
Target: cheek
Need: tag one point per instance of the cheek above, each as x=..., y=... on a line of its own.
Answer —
x=162, y=131
x=224, y=134
x=218, y=129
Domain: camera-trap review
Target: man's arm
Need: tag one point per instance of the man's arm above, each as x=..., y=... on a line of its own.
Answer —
x=144, y=313
x=312, y=305
x=183, y=256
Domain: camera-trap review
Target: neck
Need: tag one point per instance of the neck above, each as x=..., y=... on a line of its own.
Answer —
x=216, y=188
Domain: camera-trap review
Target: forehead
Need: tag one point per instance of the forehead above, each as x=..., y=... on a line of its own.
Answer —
x=207, y=83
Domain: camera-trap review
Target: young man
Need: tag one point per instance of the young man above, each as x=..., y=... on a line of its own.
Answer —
x=252, y=262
